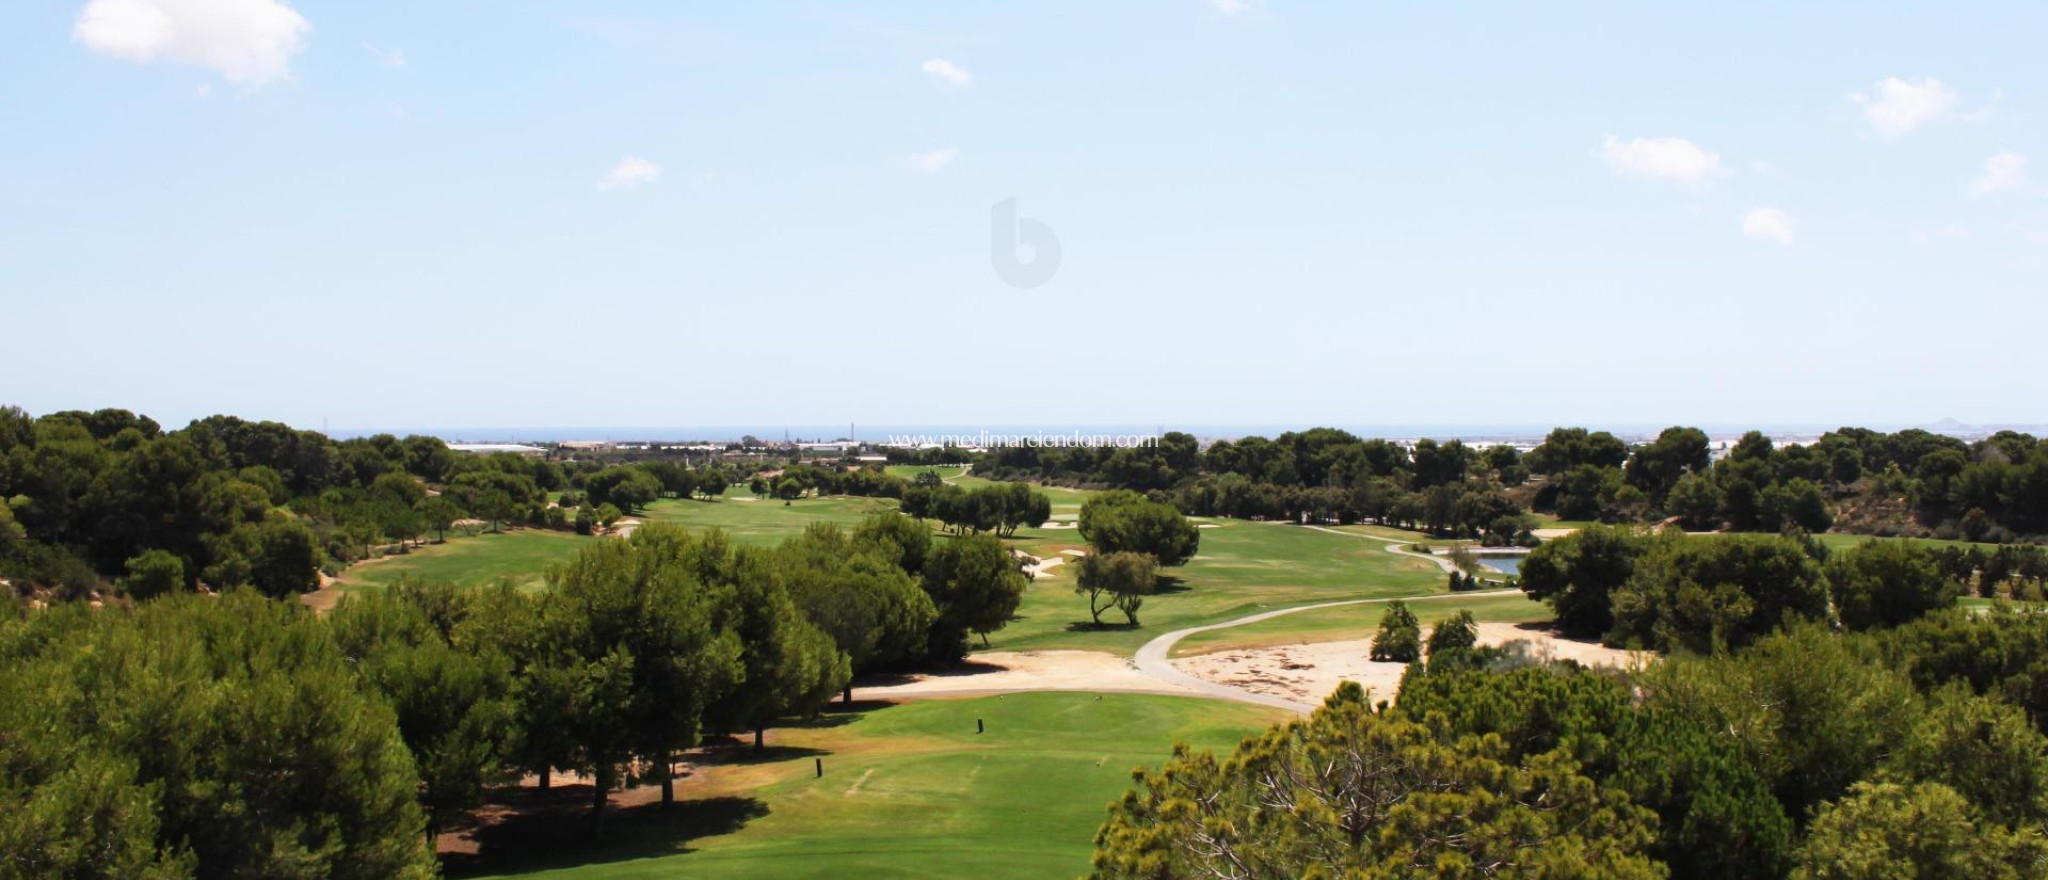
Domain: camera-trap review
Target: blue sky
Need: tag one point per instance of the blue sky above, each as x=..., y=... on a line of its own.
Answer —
x=1269, y=213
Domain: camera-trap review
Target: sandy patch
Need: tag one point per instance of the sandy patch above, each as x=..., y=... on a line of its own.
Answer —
x=1307, y=673
x=1552, y=534
x=1021, y=671
x=1057, y=524
x=742, y=498
x=1035, y=566
x=1208, y=526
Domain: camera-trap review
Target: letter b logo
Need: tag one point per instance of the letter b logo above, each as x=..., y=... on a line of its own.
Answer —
x=1007, y=233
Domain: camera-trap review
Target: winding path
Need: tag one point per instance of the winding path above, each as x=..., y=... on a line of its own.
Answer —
x=1154, y=658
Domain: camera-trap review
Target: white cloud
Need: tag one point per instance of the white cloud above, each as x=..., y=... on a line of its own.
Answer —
x=394, y=58
x=1898, y=106
x=632, y=172
x=934, y=161
x=1233, y=8
x=2003, y=171
x=1671, y=159
x=1768, y=223
x=250, y=42
x=947, y=72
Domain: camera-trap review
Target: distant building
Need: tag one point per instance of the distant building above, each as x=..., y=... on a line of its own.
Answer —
x=494, y=448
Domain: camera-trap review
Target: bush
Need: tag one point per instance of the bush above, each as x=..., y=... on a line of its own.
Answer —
x=1704, y=594
x=1886, y=583
x=154, y=573
x=1400, y=636
x=1457, y=633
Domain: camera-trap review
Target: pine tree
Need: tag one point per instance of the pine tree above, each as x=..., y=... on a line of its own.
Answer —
x=1400, y=635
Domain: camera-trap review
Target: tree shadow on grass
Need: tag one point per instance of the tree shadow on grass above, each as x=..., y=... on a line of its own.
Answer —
x=935, y=670
x=846, y=713
x=1549, y=628
x=768, y=754
x=1105, y=626
x=530, y=830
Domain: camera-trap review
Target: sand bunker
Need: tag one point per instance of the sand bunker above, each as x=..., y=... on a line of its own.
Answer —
x=1057, y=524
x=997, y=671
x=1035, y=566
x=1307, y=673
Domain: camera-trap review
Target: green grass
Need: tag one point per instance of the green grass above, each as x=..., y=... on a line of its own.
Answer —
x=947, y=472
x=1835, y=541
x=1242, y=568
x=1392, y=535
x=766, y=521
x=1356, y=622
x=909, y=791
x=521, y=556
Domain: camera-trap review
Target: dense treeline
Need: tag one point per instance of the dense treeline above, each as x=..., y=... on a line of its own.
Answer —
x=797, y=480
x=1911, y=482
x=197, y=737
x=1917, y=751
x=110, y=499
x=1321, y=474
x=105, y=495
x=238, y=736
x=1670, y=591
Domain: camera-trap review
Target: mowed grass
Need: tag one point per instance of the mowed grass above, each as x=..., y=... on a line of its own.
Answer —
x=909, y=790
x=1242, y=568
x=521, y=556
x=1346, y=622
x=1834, y=541
x=910, y=471
x=767, y=520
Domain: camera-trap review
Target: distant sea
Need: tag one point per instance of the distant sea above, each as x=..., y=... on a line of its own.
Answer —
x=882, y=433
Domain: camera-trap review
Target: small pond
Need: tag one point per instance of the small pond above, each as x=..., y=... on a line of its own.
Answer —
x=1503, y=564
